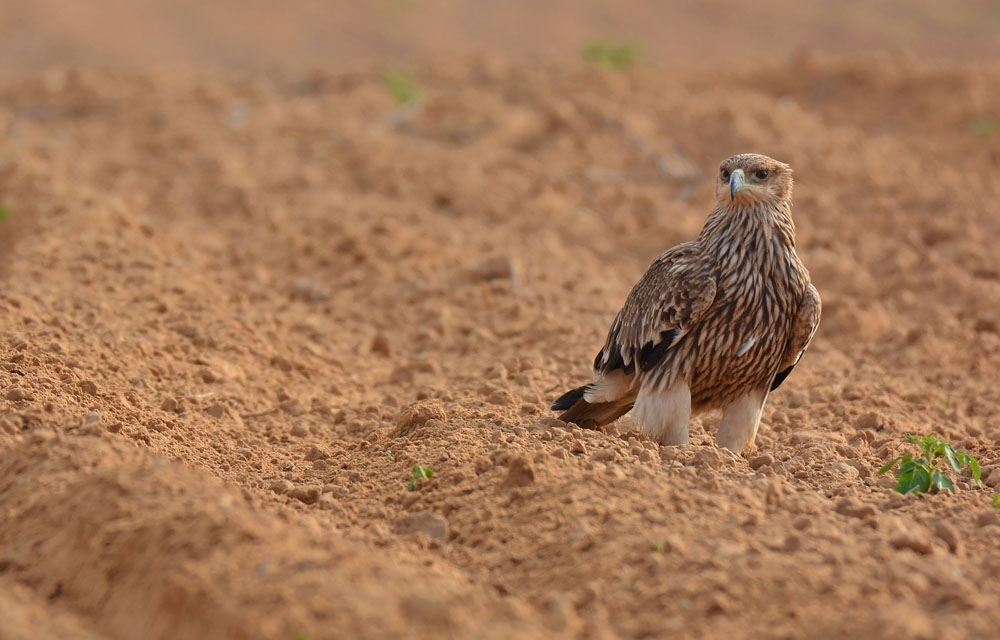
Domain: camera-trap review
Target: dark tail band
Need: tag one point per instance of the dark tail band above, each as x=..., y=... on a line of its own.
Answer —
x=569, y=399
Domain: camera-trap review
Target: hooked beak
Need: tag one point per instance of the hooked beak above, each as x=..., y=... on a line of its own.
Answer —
x=736, y=183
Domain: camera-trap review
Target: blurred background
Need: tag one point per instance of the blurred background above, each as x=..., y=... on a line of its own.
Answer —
x=251, y=34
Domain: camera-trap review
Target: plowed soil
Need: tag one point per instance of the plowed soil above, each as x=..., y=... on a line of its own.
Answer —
x=237, y=310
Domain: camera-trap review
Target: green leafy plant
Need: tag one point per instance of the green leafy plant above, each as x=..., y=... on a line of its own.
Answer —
x=928, y=473
x=388, y=454
x=4, y=212
x=419, y=475
x=616, y=56
x=403, y=87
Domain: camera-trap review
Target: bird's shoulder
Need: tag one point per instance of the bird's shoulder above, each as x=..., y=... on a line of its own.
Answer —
x=670, y=297
x=678, y=285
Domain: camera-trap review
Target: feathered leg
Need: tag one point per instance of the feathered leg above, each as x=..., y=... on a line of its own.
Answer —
x=665, y=414
x=740, y=419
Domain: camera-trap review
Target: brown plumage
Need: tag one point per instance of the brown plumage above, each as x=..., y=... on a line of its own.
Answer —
x=717, y=322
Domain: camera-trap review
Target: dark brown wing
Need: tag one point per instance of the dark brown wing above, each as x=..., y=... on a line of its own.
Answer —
x=806, y=323
x=671, y=297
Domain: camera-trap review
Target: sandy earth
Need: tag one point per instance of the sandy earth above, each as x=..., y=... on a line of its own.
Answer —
x=238, y=309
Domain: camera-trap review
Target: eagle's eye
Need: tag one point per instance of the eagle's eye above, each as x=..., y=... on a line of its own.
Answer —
x=725, y=174
x=762, y=174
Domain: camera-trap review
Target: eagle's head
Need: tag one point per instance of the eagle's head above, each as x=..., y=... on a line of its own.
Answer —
x=750, y=180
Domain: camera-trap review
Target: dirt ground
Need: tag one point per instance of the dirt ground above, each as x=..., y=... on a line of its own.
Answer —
x=239, y=306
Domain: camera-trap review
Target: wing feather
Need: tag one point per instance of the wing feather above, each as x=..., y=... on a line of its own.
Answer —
x=806, y=324
x=666, y=302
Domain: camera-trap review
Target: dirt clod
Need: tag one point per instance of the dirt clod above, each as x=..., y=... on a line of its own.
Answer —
x=416, y=415
x=520, y=473
x=428, y=523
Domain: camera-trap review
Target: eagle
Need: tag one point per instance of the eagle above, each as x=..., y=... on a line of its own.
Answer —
x=715, y=323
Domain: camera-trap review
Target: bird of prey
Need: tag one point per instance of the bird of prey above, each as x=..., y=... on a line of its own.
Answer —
x=717, y=322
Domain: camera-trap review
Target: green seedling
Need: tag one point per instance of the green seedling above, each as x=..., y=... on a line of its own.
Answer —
x=4, y=212
x=928, y=473
x=996, y=501
x=660, y=547
x=419, y=475
x=616, y=56
x=403, y=87
x=388, y=454
x=985, y=127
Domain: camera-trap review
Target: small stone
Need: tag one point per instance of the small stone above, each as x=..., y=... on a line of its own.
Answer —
x=17, y=394
x=91, y=424
x=520, y=473
x=578, y=447
x=217, y=410
x=947, y=533
x=986, y=518
x=604, y=455
x=499, y=267
x=912, y=541
x=380, y=345
x=208, y=376
x=299, y=430
x=169, y=405
x=870, y=420
x=292, y=407
x=88, y=386
x=431, y=524
x=854, y=509
x=314, y=452
x=281, y=486
x=287, y=465
x=992, y=477
x=416, y=415
x=763, y=460
x=307, y=494
x=792, y=543
x=328, y=501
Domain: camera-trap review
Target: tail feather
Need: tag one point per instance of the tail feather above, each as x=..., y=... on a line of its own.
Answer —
x=569, y=398
x=577, y=410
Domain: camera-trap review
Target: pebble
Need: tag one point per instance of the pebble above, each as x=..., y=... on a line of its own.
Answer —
x=88, y=387
x=854, y=509
x=380, y=345
x=520, y=473
x=991, y=478
x=281, y=486
x=431, y=524
x=947, y=533
x=912, y=541
x=18, y=394
x=307, y=494
x=604, y=455
x=416, y=415
x=986, y=518
x=217, y=410
x=314, y=452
